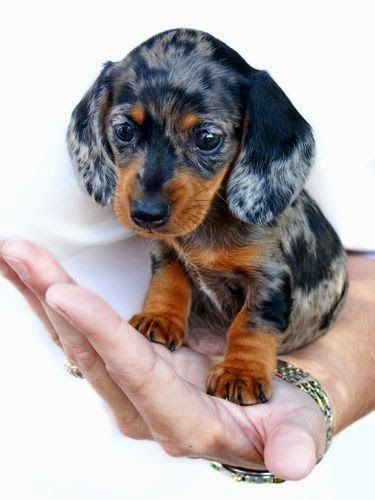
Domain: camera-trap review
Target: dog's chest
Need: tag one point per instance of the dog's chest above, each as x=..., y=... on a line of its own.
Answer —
x=222, y=273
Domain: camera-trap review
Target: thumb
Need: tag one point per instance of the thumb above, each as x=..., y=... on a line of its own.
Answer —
x=293, y=448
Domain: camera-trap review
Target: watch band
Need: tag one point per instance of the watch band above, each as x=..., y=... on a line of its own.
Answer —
x=304, y=381
x=247, y=475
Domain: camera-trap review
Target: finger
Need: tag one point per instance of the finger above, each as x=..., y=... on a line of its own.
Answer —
x=32, y=299
x=302, y=434
x=35, y=267
x=79, y=350
x=95, y=372
x=172, y=408
x=8, y=272
x=37, y=270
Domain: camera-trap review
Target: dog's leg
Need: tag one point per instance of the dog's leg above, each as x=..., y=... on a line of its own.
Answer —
x=244, y=376
x=167, y=306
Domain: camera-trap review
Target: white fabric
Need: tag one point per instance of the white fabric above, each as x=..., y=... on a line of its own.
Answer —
x=56, y=439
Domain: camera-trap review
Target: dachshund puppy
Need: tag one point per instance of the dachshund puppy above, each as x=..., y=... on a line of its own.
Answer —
x=207, y=156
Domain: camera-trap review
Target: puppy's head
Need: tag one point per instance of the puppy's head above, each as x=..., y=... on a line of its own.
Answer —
x=160, y=132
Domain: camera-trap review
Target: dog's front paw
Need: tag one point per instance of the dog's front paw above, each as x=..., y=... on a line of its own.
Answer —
x=160, y=329
x=240, y=385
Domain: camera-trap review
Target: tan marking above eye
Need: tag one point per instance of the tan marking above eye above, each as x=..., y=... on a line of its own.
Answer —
x=137, y=114
x=188, y=121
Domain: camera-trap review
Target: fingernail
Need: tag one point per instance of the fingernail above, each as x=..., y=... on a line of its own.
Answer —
x=58, y=309
x=18, y=266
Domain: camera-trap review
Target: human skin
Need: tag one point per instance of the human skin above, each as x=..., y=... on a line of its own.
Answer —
x=155, y=394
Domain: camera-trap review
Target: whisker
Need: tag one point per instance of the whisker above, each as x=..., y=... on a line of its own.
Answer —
x=219, y=196
x=199, y=192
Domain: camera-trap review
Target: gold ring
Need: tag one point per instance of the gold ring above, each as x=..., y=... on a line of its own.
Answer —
x=72, y=369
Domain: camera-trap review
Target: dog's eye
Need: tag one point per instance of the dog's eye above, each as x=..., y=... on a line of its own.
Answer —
x=207, y=140
x=124, y=131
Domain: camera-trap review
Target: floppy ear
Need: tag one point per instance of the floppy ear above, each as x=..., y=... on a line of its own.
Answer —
x=87, y=144
x=276, y=155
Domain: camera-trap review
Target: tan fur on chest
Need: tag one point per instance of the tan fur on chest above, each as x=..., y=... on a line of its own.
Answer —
x=224, y=259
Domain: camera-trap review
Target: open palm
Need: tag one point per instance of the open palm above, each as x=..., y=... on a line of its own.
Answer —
x=155, y=394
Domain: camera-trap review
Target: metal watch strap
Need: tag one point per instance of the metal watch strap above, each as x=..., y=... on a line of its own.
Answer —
x=304, y=381
x=247, y=475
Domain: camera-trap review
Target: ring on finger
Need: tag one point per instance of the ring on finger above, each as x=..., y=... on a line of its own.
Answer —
x=72, y=369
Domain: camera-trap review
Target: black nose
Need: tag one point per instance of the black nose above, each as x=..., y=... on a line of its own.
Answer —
x=149, y=212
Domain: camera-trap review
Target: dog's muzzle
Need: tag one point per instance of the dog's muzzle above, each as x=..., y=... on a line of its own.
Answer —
x=149, y=212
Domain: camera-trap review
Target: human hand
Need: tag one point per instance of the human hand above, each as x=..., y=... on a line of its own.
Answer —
x=155, y=394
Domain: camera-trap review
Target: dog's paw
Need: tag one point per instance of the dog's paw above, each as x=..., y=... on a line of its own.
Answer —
x=240, y=385
x=159, y=329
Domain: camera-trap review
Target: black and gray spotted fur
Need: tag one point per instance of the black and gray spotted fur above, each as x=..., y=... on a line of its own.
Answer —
x=300, y=283
x=297, y=289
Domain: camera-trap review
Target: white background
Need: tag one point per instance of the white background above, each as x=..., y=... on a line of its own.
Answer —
x=56, y=440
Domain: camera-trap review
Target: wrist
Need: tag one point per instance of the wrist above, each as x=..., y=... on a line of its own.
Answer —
x=330, y=374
